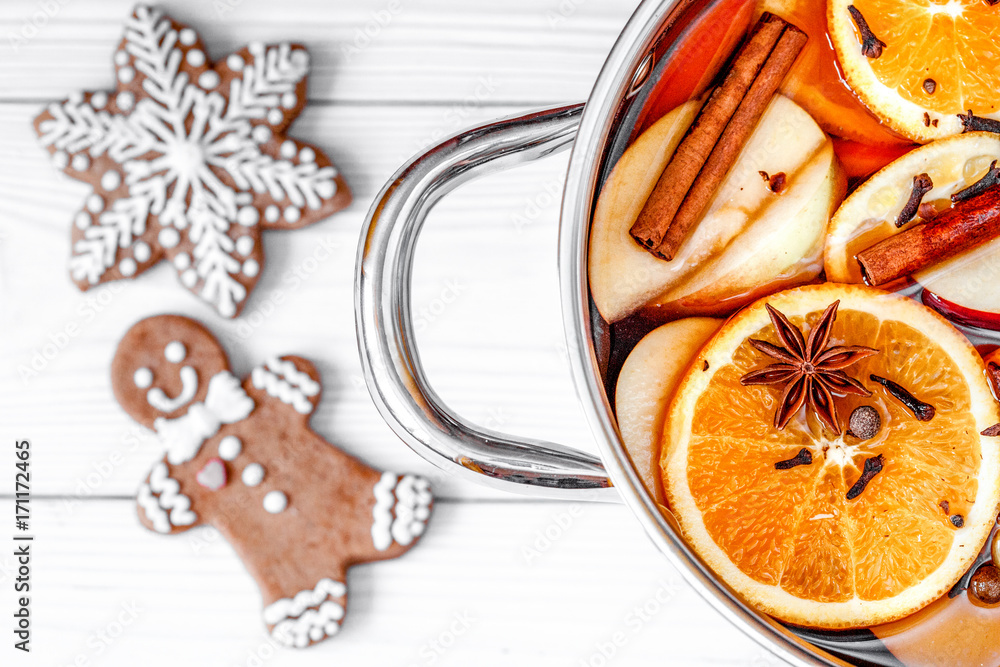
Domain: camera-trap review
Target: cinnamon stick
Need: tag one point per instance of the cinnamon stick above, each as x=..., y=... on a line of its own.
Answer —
x=734, y=138
x=965, y=225
x=690, y=156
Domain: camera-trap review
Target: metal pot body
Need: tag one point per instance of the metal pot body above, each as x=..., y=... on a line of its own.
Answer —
x=384, y=321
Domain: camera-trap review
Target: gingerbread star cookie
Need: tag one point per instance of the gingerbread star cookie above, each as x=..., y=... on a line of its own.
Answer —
x=240, y=456
x=189, y=161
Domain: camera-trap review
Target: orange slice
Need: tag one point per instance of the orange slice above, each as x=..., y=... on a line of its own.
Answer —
x=790, y=541
x=939, y=59
x=869, y=214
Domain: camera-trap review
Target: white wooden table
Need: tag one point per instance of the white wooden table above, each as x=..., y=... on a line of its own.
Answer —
x=498, y=580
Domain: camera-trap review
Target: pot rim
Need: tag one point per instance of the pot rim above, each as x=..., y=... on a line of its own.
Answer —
x=628, y=57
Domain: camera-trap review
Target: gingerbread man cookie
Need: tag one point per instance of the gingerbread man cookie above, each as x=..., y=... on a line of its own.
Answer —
x=242, y=458
x=189, y=161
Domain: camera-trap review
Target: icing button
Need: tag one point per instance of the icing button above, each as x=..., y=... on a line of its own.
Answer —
x=175, y=352
x=275, y=502
x=230, y=447
x=253, y=474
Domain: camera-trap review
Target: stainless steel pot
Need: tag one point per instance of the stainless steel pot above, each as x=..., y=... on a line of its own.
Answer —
x=385, y=326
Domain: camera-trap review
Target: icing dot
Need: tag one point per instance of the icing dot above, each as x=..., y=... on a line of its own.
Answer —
x=111, y=180
x=253, y=474
x=81, y=162
x=182, y=260
x=196, y=58
x=175, y=352
x=244, y=245
x=76, y=97
x=275, y=116
x=255, y=46
x=292, y=215
x=121, y=58
x=189, y=278
x=127, y=267
x=95, y=203
x=288, y=150
x=188, y=37
x=307, y=154
x=125, y=100
x=230, y=447
x=234, y=62
x=316, y=633
x=331, y=629
x=141, y=251
x=209, y=79
x=275, y=502
x=251, y=268
x=300, y=58
x=126, y=74
x=82, y=220
x=261, y=134
x=99, y=99
x=60, y=160
x=248, y=216
x=169, y=237
x=143, y=377
x=272, y=213
x=289, y=100
x=326, y=189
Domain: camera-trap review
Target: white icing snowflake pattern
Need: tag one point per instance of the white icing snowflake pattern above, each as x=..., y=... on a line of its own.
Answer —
x=186, y=160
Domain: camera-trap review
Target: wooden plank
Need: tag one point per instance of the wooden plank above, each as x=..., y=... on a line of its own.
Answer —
x=485, y=587
x=494, y=350
x=412, y=50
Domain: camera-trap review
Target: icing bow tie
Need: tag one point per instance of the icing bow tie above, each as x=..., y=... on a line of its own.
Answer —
x=225, y=403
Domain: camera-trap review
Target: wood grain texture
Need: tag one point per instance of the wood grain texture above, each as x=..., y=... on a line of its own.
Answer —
x=489, y=329
x=482, y=589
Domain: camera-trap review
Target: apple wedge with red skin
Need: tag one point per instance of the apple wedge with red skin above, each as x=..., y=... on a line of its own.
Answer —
x=966, y=288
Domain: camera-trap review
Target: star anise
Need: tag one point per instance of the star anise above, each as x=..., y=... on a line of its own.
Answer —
x=810, y=371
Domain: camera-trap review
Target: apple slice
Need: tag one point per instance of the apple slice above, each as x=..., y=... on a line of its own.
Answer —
x=783, y=247
x=966, y=288
x=624, y=277
x=645, y=386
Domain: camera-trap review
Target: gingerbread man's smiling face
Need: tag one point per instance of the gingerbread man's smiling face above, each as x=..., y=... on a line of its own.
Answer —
x=162, y=366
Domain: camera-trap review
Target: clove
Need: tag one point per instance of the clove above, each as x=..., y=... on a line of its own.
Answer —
x=873, y=466
x=974, y=123
x=922, y=184
x=871, y=46
x=991, y=179
x=922, y=411
x=803, y=458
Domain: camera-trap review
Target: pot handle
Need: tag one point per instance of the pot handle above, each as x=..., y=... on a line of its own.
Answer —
x=391, y=362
